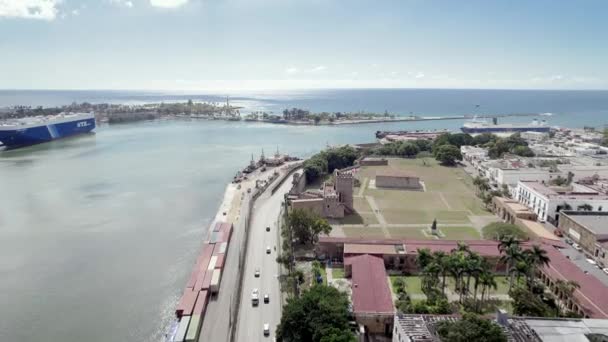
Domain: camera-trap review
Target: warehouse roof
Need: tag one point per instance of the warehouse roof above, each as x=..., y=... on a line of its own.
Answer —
x=371, y=293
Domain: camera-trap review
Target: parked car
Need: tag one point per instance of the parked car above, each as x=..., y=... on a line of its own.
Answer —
x=558, y=233
x=568, y=241
x=266, y=329
x=591, y=261
x=605, y=270
x=577, y=247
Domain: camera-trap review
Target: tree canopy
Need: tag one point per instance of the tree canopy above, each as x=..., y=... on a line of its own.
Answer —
x=470, y=328
x=318, y=315
x=327, y=161
x=448, y=154
x=306, y=225
x=499, y=230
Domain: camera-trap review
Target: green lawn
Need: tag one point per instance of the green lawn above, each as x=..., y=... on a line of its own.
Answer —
x=460, y=233
x=338, y=272
x=449, y=197
x=406, y=233
x=412, y=284
x=364, y=232
x=324, y=275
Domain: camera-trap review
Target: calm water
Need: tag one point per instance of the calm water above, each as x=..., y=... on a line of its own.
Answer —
x=98, y=233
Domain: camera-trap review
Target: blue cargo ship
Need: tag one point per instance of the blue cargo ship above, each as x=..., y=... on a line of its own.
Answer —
x=36, y=130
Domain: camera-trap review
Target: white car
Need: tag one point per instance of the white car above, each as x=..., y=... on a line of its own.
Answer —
x=591, y=261
x=266, y=298
x=605, y=270
x=255, y=297
x=267, y=249
x=257, y=272
x=577, y=247
x=266, y=329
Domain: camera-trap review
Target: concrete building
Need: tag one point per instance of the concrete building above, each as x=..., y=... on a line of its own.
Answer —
x=589, y=229
x=534, y=136
x=397, y=179
x=422, y=328
x=547, y=201
x=334, y=200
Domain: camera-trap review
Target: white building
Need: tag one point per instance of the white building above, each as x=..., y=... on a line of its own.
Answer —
x=547, y=202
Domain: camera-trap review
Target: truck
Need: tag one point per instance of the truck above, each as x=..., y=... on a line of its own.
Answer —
x=255, y=297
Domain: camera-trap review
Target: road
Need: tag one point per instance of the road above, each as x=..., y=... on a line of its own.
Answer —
x=251, y=319
x=579, y=258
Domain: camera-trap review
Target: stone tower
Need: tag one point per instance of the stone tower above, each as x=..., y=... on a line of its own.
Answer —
x=344, y=187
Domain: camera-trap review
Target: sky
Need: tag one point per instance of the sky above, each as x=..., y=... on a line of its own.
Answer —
x=277, y=44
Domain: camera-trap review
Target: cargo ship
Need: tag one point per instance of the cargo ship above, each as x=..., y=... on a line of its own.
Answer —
x=35, y=130
x=476, y=126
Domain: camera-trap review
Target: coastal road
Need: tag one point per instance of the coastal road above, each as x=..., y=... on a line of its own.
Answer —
x=251, y=319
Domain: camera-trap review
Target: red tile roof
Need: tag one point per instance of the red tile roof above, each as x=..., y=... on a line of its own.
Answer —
x=371, y=293
x=592, y=292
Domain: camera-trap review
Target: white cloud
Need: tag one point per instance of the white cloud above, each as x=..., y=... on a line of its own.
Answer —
x=125, y=3
x=419, y=75
x=291, y=70
x=75, y=12
x=318, y=68
x=168, y=3
x=30, y=9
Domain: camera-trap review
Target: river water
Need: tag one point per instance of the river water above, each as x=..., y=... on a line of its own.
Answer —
x=98, y=232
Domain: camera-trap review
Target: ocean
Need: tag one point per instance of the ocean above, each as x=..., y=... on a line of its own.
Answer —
x=98, y=233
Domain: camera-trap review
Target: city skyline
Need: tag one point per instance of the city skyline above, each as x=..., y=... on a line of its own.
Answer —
x=271, y=44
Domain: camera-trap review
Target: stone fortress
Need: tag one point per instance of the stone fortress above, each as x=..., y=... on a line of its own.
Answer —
x=333, y=200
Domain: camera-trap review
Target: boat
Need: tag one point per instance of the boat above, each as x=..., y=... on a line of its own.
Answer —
x=476, y=126
x=39, y=129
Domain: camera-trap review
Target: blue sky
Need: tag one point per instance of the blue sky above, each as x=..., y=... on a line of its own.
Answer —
x=269, y=44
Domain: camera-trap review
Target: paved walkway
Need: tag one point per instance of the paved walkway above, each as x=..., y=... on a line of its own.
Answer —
x=330, y=274
x=372, y=204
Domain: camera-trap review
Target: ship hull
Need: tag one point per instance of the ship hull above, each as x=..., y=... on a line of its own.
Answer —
x=478, y=130
x=14, y=138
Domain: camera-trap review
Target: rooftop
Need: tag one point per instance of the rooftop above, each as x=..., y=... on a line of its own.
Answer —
x=371, y=293
x=595, y=221
x=577, y=191
x=566, y=330
x=360, y=248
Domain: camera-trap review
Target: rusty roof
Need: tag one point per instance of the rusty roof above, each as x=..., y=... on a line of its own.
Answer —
x=371, y=293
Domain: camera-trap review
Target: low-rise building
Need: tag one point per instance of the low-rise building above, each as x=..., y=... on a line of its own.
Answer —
x=510, y=210
x=548, y=201
x=397, y=179
x=373, y=161
x=334, y=200
x=589, y=230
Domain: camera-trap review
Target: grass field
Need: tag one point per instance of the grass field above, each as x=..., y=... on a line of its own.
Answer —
x=370, y=233
x=412, y=284
x=449, y=198
x=337, y=272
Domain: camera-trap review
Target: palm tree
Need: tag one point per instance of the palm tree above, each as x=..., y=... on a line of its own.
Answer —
x=536, y=257
x=511, y=256
x=423, y=258
x=565, y=289
x=442, y=260
x=520, y=268
x=487, y=283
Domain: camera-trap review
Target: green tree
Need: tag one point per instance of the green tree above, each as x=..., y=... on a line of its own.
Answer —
x=337, y=335
x=499, y=230
x=526, y=303
x=523, y=151
x=306, y=225
x=448, y=154
x=535, y=257
x=319, y=312
x=470, y=328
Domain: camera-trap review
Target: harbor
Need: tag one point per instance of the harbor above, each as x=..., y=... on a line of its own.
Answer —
x=209, y=306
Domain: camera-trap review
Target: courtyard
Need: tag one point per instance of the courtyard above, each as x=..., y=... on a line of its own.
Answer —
x=448, y=196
